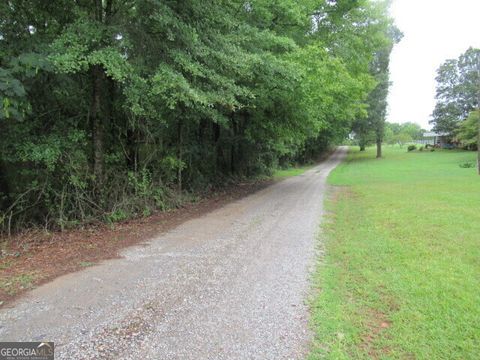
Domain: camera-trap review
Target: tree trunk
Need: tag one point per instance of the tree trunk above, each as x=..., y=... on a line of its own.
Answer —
x=97, y=124
x=218, y=148
x=379, y=147
x=478, y=116
x=202, y=128
x=232, y=145
x=131, y=152
x=4, y=187
x=241, y=152
x=180, y=155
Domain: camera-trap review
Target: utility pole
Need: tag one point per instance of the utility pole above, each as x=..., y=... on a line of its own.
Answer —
x=478, y=113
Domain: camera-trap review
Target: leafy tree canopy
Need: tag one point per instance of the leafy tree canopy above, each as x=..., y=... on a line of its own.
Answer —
x=458, y=91
x=112, y=108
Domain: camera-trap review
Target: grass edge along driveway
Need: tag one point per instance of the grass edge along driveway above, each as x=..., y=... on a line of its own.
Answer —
x=400, y=274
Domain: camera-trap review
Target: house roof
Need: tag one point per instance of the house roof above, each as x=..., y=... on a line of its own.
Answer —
x=433, y=134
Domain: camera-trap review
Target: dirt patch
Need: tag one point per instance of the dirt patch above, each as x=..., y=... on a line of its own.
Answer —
x=35, y=257
x=376, y=324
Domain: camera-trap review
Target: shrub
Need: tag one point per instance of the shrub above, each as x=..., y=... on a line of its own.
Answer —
x=420, y=148
x=411, y=148
x=116, y=216
x=467, y=165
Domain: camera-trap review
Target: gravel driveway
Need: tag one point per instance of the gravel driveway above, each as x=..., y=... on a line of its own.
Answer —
x=231, y=284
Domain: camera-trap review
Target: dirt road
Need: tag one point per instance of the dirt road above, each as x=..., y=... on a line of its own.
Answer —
x=229, y=285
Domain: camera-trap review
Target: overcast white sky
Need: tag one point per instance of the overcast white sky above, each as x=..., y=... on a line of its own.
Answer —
x=434, y=30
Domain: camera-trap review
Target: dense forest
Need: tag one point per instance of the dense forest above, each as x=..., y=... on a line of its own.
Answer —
x=115, y=108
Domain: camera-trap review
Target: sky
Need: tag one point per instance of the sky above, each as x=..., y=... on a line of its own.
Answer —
x=434, y=31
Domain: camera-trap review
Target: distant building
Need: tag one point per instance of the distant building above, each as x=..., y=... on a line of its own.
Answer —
x=438, y=139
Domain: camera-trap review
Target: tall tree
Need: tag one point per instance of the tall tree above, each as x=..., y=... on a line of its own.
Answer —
x=377, y=99
x=384, y=35
x=458, y=91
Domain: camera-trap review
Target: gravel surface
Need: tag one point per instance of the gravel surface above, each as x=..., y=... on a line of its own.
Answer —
x=231, y=284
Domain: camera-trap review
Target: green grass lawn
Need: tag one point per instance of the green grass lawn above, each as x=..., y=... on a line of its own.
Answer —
x=401, y=273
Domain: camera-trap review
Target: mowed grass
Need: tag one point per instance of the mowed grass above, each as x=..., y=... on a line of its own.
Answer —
x=400, y=277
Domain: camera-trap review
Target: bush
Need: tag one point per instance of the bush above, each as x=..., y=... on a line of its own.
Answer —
x=420, y=148
x=467, y=165
x=117, y=216
x=411, y=148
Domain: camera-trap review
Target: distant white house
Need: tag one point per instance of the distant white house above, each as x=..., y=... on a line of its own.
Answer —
x=440, y=139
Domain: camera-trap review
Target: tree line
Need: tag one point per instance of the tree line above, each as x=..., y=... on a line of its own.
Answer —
x=458, y=98
x=457, y=110
x=117, y=108
x=457, y=92
x=402, y=134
